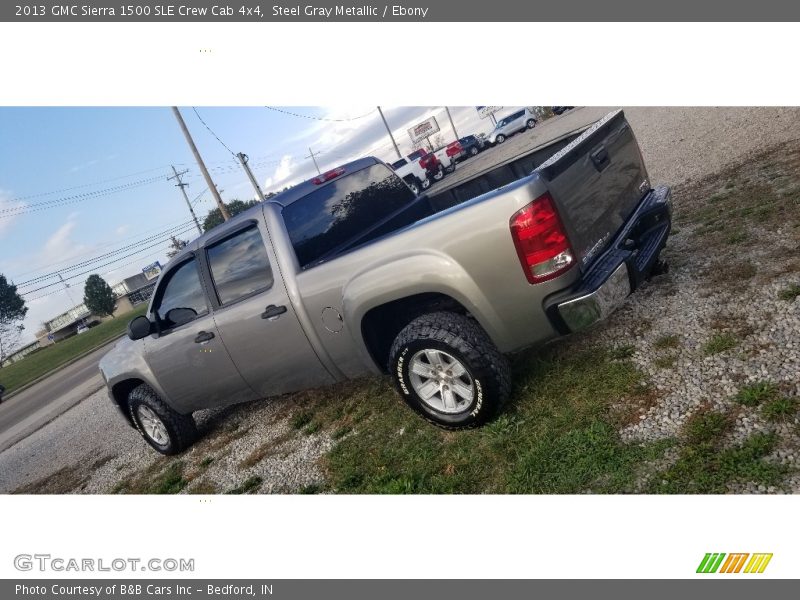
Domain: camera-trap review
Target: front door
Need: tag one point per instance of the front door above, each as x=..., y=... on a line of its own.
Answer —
x=187, y=356
x=255, y=318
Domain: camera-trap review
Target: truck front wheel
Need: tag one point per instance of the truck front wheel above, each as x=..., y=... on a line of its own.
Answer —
x=448, y=370
x=164, y=429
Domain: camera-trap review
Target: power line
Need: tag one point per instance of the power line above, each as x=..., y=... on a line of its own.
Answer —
x=160, y=237
x=83, y=185
x=158, y=230
x=7, y=213
x=53, y=293
x=212, y=133
x=95, y=268
x=294, y=114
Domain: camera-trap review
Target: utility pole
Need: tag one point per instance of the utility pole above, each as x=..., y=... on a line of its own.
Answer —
x=389, y=131
x=220, y=204
x=183, y=186
x=312, y=155
x=66, y=289
x=243, y=159
x=453, y=125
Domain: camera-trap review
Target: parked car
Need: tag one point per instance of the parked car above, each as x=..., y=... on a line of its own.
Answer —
x=436, y=163
x=412, y=173
x=350, y=274
x=82, y=328
x=471, y=145
x=513, y=123
x=430, y=162
x=557, y=110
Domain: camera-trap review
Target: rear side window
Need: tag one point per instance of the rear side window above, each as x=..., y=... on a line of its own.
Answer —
x=342, y=210
x=182, y=289
x=399, y=163
x=239, y=265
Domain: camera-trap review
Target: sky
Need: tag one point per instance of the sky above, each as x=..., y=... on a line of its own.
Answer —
x=85, y=190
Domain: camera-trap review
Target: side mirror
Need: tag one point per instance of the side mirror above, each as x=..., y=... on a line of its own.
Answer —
x=139, y=328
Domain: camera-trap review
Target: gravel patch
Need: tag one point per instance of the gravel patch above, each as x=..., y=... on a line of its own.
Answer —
x=238, y=443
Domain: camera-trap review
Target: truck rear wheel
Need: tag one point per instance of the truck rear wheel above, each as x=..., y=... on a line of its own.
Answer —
x=437, y=176
x=164, y=429
x=448, y=370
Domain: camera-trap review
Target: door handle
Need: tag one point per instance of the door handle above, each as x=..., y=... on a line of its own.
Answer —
x=203, y=336
x=273, y=312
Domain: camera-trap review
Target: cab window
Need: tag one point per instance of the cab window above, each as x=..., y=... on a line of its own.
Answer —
x=239, y=265
x=181, y=290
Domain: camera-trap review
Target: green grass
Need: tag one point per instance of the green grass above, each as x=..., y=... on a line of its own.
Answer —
x=248, y=486
x=705, y=466
x=159, y=478
x=667, y=341
x=779, y=409
x=719, y=342
x=47, y=359
x=301, y=419
x=665, y=362
x=757, y=393
x=789, y=293
x=557, y=435
x=621, y=352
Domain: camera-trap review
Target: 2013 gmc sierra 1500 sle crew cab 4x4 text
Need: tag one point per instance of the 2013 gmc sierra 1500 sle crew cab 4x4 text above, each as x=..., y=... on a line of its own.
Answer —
x=351, y=273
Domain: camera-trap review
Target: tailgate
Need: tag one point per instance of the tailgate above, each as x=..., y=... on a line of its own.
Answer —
x=596, y=182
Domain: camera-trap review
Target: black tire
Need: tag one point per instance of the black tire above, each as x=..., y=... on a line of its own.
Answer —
x=500, y=139
x=438, y=175
x=414, y=185
x=180, y=429
x=530, y=123
x=473, y=151
x=463, y=339
x=426, y=183
x=451, y=168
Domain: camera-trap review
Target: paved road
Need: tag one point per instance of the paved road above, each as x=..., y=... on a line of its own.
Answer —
x=27, y=411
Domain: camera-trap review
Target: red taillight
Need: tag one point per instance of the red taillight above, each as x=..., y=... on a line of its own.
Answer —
x=328, y=175
x=541, y=242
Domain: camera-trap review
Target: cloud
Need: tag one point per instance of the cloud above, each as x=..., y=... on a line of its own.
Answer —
x=83, y=166
x=121, y=230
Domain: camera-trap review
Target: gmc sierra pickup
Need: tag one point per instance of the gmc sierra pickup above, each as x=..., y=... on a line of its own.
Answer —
x=351, y=273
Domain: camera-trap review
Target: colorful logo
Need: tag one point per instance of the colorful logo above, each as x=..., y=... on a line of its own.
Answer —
x=719, y=562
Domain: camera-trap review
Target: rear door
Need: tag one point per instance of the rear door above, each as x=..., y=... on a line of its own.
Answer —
x=596, y=182
x=187, y=356
x=255, y=318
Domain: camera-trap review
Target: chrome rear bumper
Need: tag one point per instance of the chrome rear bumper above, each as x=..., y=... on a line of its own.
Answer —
x=579, y=313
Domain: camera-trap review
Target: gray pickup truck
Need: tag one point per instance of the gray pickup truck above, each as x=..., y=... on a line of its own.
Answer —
x=351, y=274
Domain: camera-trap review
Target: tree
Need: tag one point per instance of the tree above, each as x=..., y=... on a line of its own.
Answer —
x=12, y=313
x=175, y=246
x=214, y=217
x=98, y=296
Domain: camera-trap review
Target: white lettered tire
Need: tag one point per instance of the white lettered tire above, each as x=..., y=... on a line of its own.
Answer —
x=447, y=369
